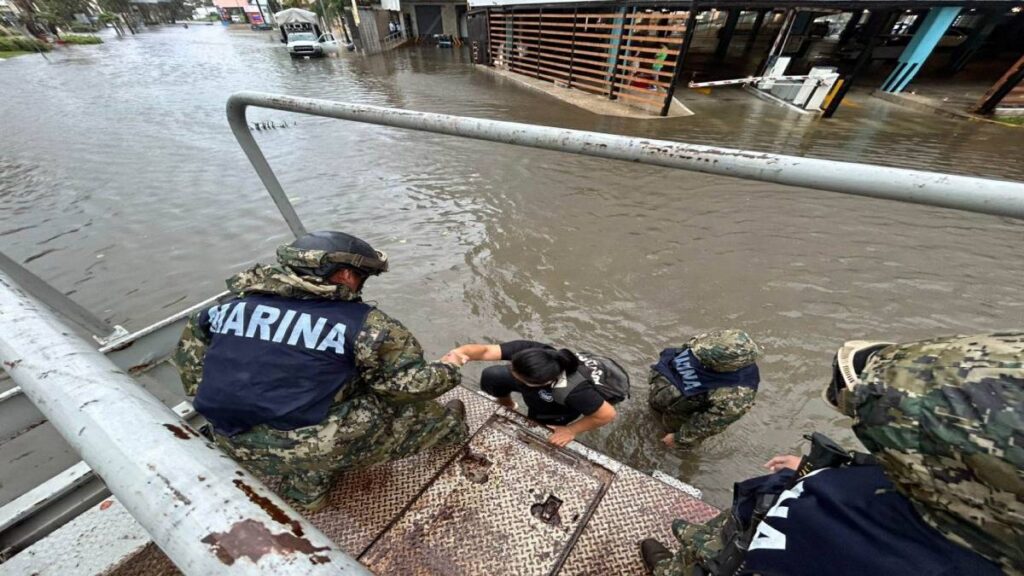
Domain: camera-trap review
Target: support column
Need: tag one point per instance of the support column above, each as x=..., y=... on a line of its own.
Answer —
x=691, y=27
x=755, y=30
x=1000, y=89
x=876, y=24
x=851, y=27
x=727, y=33
x=920, y=47
x=613, y=54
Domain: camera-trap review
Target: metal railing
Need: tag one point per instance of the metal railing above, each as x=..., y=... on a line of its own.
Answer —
x=985, y=196
x=202, y=509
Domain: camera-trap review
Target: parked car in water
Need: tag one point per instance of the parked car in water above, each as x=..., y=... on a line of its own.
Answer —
x=306, y=44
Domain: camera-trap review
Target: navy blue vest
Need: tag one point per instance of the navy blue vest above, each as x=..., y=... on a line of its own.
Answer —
x=685, y=371
x=852, y=521
x=276, y=361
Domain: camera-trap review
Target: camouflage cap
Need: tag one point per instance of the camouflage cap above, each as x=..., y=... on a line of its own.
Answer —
x=725, y=350
x=944, y=419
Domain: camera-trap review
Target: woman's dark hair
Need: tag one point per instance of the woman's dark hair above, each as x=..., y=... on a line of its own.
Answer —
x=540, y=366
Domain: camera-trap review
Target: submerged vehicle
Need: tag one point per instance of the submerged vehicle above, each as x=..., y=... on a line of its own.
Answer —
x=302, y=44
x=506, y=502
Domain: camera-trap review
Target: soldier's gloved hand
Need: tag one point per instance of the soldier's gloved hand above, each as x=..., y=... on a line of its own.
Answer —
x=783, y=461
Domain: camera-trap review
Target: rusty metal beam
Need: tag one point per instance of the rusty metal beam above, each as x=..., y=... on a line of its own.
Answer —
x=998, y=197
x=205, y=512
x=1001, y=88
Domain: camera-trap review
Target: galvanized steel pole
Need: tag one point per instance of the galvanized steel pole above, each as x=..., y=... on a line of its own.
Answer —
x=205, y=512
x=998, y=197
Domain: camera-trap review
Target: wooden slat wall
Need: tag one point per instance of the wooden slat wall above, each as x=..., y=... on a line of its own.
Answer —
x=577, y=49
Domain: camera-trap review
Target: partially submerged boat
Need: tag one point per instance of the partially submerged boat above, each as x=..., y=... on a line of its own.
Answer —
x=506, y=502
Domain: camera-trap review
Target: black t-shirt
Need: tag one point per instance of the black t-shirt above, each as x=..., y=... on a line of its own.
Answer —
x=583, y=400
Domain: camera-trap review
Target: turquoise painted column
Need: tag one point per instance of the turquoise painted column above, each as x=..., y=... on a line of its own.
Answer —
x=619, y=24
x=920, y=47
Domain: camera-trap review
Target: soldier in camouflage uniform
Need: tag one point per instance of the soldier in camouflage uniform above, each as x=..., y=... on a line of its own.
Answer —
x=700, y=389
x=306, y=408
x=942, y=420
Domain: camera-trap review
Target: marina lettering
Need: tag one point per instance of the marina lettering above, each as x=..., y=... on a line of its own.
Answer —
x=768, y=537
x=684, y=367
x=269, y=324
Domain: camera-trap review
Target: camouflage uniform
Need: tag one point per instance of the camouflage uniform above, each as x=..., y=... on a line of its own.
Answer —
x=701, y=416
x=384, y=413
x=699, y=544
x=943, y=418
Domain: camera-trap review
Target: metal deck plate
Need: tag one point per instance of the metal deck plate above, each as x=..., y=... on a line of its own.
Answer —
x=509, y=504
x=365, y=502
x=374, y=512
x=635, y=507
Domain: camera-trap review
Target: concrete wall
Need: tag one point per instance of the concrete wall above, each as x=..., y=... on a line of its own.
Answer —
x=449, y=19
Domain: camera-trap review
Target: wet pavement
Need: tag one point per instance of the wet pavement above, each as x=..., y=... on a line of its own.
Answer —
x=121, y=184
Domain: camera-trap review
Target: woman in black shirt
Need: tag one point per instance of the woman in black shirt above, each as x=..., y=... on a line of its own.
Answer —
x=535, y=369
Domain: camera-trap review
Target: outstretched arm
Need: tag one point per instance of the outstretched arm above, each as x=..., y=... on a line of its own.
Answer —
x=470, y=352
x=390, y=360
x=565, y=434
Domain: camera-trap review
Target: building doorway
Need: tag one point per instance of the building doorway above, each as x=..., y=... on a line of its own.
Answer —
x=428, y=21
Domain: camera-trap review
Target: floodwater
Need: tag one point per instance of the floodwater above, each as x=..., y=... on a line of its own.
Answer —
x=121, y=184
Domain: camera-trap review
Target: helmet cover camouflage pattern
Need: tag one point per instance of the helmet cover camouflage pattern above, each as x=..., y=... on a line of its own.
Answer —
x=324, y=252
x=943, y=417
x=725, y=350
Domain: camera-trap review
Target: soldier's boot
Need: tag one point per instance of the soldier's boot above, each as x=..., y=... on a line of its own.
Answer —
x=653, y=553
x=456, y=407
x=308, y=489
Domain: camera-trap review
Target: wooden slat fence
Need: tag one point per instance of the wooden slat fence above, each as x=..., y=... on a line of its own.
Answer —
x=624, y=54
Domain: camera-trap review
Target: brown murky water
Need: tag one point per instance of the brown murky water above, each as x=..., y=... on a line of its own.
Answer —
x=121, y=184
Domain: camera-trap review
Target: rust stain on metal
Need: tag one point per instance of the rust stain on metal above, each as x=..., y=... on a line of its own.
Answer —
x=138, y=368
x=268, y=506
x=251, y=539
x=177, y=431
x=475, y=467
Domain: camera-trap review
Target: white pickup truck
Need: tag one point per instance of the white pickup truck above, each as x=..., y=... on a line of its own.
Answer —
x=307, y=45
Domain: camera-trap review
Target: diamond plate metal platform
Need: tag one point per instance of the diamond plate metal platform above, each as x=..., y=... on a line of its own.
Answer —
x=509, y=504
x=424, y=514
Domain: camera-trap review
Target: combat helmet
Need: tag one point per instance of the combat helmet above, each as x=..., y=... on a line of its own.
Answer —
x=725, y=350
x=323, y=253
x=944, y=419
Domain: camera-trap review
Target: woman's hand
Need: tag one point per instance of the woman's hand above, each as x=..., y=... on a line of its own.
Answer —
x=455, y=358
x=471, y=352
x=783, y=461
x=562, y=435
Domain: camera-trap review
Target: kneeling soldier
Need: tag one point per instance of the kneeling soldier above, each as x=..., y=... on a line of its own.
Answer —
x=700, y=389
x=302, y=380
